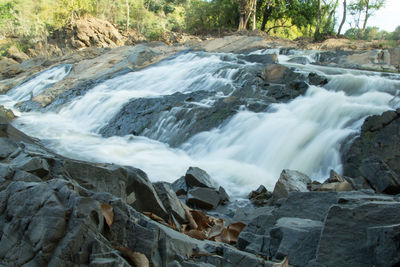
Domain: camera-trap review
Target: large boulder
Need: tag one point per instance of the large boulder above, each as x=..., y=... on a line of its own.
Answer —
x=344, y=239
x=170, y=201
x=128, y=183
x=196, y=177
x=290, y=181
x=375, y=155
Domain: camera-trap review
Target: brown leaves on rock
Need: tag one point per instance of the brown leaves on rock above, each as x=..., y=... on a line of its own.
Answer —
x=153, y=216
x=201, y=226
x=284, y=263
x=108, y=213
x=135, y=258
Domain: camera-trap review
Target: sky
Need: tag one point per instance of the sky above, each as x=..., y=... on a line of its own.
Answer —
x=387, y=18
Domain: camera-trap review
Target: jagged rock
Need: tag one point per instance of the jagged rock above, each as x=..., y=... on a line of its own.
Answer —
x=315, y=79
x=274, y=73
x=6, y=115
x=300, y=60
x=296, y=238
x=5, y=171
x=224, y=197
x=128, y=183
x=375, y=153
x=180, y=187
x=335, y=182
x=7, y=146
x=263, y=59
x=196, y=177
x=14, y=53
x=204, y=198
x=380, y=176
x=24, y=176
x=170, y=201
x=344, y=236
x=260, y=196
x=290, y=181
x=35, y=165
x=383, y=241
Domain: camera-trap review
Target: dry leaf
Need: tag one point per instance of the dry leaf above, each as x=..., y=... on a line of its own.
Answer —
x=192, y=223
x=108, y=213
x=138, y=259
x=201, y=219
x=153, y=216
x=238, y=227
x=216, y=230
x=183, y=229
x=284, y=263
x=196, y=234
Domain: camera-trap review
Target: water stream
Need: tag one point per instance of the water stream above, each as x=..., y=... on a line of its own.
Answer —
x=305, y=134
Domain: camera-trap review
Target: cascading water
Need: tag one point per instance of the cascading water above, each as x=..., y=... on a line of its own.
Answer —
x=305, y=134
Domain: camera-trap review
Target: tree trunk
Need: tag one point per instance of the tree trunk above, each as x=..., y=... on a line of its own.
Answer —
x=317, y=29
x=366, y=15
x=344, y=17
x=127, y=15
x=254, y=15
x=266, y=14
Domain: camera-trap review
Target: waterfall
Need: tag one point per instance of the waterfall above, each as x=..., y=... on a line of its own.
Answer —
x=250, y=149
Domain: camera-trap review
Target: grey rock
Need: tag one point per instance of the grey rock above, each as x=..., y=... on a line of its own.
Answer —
x=384, y=243
x=300, y=60
x=7, y=147
x=263, y=59
x=180, y=187
x=196, y=177
x=344, y=237
x=128, y=183
x=260, y=196
x=204, y=198
x=380, y=176
x=6, y=172
x=223, y=196
x=296, y=238
x=24, y=176
x=316, y=79
x=170, y=201
x=290, y=181
x=35, y=165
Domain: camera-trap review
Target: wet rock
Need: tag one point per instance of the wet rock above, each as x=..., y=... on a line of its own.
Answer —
x=375, y=154
x=170, y=201
x=290, y=181
x=263, y=59
x=300, y=60
x=274, y=73
x=296, y=238
x=6, y=115
x=180, y=187
x=203, y=198
x=344, y=236
x=196, y=177
x=384, y=241
x=224, y=197
x=315, y=79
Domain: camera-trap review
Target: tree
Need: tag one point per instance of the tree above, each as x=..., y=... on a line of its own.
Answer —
x=246, y=7
x=362, y=10
x=344, y=17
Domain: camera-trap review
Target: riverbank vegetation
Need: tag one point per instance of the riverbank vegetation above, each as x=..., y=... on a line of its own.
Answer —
x=25, y=22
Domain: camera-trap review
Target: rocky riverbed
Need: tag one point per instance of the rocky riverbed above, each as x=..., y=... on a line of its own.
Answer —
x=63, y=204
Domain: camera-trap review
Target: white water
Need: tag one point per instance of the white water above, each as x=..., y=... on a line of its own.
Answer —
x=251, y=149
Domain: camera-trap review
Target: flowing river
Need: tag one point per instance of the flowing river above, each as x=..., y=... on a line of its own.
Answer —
x=305, y=134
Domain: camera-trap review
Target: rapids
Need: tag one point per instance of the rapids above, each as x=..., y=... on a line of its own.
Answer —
x=306, y=134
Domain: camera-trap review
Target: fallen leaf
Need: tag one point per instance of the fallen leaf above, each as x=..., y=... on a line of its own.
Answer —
x=192, y=223
x=196, y=234
x=201, y=219
x=238, y=227
x=153, y=216
x=214, y=231
x=108, y=213
x=284, y=263
x=138, y=259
